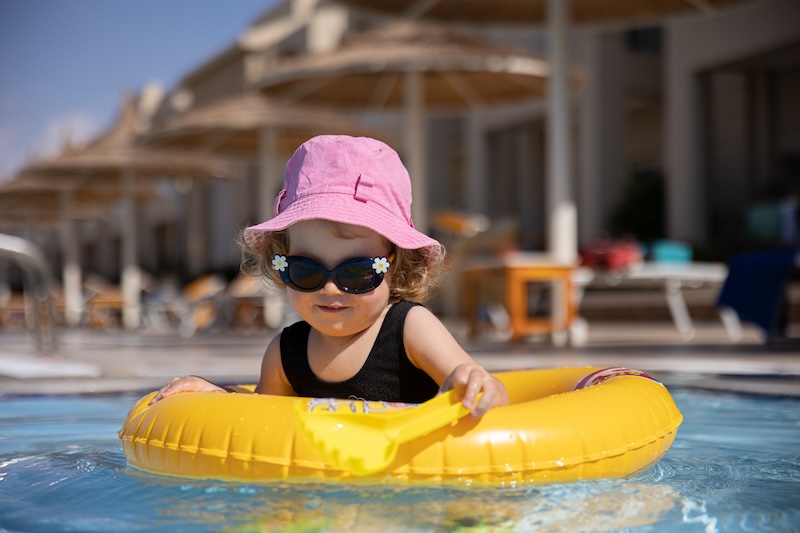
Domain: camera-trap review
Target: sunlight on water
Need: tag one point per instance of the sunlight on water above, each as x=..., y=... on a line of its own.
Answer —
x=735, y=466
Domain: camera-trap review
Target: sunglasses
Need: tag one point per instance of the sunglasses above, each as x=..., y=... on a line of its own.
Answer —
x=354, y=276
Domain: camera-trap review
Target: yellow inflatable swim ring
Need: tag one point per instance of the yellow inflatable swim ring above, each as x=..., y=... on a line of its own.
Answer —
x=561, y=425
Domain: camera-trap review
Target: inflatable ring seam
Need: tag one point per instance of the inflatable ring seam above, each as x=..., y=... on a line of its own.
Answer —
x=222, y=454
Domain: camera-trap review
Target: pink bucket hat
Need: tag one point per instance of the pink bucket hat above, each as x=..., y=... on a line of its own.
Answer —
x=354, y=180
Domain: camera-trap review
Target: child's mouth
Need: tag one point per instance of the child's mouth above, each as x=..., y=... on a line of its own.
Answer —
x=331, y=308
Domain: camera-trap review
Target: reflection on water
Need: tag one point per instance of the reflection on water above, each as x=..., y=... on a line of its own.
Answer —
x=334, y=508
x=734, y=467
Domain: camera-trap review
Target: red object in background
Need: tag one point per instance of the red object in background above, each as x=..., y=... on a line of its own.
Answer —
x=605, y=253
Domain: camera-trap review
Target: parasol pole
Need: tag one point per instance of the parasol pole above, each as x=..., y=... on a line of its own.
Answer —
x=73, y=295
x=416, y=144
x=131, y=284
x=268, y=186
x=562, y=216
x=269, y=181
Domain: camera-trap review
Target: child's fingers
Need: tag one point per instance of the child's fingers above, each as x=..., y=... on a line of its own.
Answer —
x=458, y=381
x=483, y=392
x=468, y=382
x=493, y=396
x=478, y=390
x=177, y=384
x=472, y=387
x=161, y=392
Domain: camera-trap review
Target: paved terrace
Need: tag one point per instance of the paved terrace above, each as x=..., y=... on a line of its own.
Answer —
x=91, y=361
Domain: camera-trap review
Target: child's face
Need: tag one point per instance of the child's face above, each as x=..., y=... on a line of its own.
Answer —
x=330, y=310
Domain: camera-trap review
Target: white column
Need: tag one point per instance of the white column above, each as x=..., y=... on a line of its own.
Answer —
x=475, y=163
x=73, y=293
x=684, y=189
x=562, y=218
x=269, y=180
x=131, y=282
x=416, y=146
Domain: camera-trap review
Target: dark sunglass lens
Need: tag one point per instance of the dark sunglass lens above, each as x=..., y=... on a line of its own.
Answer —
x=356, y=276
x=306, y=275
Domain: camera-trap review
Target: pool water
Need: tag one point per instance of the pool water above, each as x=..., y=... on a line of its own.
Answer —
x=735, y=466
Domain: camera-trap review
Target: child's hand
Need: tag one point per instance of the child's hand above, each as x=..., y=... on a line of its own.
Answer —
x=470, y=379
x=187, y=384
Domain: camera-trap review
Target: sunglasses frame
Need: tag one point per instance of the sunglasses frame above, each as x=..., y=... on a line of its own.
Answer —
x=378, y=264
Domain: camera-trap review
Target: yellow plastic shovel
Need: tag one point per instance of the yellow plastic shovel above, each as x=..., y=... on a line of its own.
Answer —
x=364, y=444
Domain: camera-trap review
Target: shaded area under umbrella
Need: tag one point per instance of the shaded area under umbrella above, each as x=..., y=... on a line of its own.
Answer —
x=25, y=203
x=20, y=196
x=115, y=159
x=557, y=15
x=411, y=66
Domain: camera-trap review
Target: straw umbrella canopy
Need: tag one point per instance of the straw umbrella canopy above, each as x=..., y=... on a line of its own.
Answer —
x=516, y=12
x=234, y=126
x=557, y=15
x=251, y=126
x=117, y=152
x=114, y=159
x=411, y=66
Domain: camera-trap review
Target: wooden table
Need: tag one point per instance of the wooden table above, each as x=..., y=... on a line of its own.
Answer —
x=516, y=272
x=104, y=309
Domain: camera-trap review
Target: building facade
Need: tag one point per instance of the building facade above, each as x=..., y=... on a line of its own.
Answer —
x=687, y=129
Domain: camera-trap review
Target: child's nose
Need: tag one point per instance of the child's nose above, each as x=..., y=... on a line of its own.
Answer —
x=330, y=287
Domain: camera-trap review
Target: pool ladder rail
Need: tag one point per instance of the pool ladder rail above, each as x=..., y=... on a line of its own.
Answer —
x=37, y=285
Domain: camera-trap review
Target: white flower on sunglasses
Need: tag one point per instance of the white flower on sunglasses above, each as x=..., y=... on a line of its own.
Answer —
x=380, y=265
x=280, y=262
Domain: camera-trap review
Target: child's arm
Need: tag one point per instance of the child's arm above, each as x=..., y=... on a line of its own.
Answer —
x=187, y=384
x=433, y=349
x=273, y=380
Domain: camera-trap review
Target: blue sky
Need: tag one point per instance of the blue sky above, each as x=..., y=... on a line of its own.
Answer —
x=68, y=62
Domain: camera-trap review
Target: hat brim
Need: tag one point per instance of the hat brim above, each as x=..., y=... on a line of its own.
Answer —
x=346, y=209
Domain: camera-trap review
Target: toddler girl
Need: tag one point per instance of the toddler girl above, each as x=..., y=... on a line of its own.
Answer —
x=343, y=244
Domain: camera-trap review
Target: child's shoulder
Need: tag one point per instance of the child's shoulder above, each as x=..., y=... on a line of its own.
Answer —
x=423, y=332
x=417, y=311
x=407, y=307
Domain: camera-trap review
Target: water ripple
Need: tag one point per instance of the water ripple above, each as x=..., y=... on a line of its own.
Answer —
x=734, y=466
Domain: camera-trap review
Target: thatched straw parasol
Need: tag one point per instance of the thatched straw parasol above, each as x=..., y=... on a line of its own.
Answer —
x=234, y=126
x=557, y=15
x=411, y=66
x=529, y=12
x=115, y=159
x=251, y=126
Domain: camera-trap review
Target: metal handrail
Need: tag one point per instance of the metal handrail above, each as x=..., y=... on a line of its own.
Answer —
x=37, y=283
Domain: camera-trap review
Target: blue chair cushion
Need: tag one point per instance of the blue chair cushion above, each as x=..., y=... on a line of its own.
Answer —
x=755, y=287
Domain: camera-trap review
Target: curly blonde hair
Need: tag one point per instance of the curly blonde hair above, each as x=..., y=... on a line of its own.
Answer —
x=414, y=274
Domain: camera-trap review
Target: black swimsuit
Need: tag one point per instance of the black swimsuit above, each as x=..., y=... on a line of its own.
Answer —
x=387, y=374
